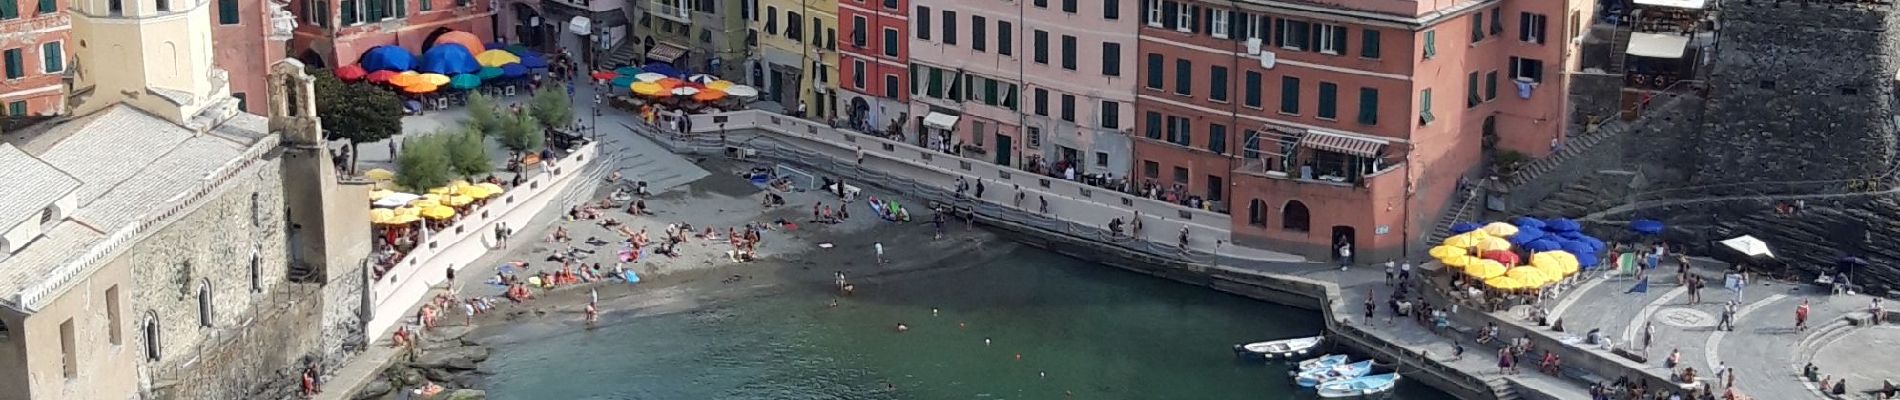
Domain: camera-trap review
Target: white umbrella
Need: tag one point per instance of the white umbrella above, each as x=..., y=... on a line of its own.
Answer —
x=741, y=91
x=394, y=200
x=649, y=76
x=1749, y=246
x=702, y=79
x=685, y=91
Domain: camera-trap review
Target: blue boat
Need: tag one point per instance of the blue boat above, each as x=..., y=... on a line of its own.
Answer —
x=1336, y=373
x=1325, y=361
x=1361, y=386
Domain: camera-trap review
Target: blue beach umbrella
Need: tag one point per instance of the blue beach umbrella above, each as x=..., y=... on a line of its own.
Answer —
x=533, y=61
x=1596, y=245
x=1562, y=225
x=449, y=59
x=1543, y=245
x=1463, y=227
x=1526, y=235
x=387, y=58
x=664, y=69
x=1646, y=226
x=513, y=70
x=1570, y=235
x=1577, y=248
x=1529, y=221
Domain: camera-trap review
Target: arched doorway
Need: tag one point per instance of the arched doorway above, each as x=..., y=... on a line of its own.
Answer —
x=1257, y=212
x=1490, y=132
x=528, y=25
x=1344, y=237
x=311, y=59
x=1295, y=217
x=860, y=113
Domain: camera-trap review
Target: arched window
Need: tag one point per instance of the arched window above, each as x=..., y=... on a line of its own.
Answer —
x=204, y=303
x=1295, y=217
x=1257, y=212
x=257, y=276
x=151, y=336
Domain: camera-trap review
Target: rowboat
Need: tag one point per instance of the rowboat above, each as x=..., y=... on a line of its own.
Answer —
x=1336, y=373
x=1325, y=361
x=1283, y=348
x=1361, y=386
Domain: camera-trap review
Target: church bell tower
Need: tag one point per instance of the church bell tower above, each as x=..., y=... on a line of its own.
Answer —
x=152, y=54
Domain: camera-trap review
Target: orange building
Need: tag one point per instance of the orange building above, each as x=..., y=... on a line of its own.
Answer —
x=336, y=32
x=246, y=42
x=34, y=53
x=1322, y=124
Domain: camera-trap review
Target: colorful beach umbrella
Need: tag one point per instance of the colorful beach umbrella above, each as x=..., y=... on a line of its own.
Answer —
x=405, y=79
x=648, y=89
x=458, y=200
x=533, y=61
x=467, y=40
x=449, y=59
x=438, y=212
x=702, y=79
x=719, y=85
x=649, y=77
x=379, y=194
x=1531, y=275
x=381, y=215
x=1507, y=283
x=741, y=91
x=1458, y=260
x=1494, y=244
x=420, y=88
x=387, y=58
x=350, y=73
x=1484, y=269
x=622, y=81
x=488, y=73
x=1463, y=227
x=496, y=58
x=627, y=71
x=603, y=75
x=491, y=188
x=464, y=82
x=708, y=95
x=380, y=76
x=1500, y=229
x=684, y=91
x=514, y=70
x=435, y=79
x=1446, y=251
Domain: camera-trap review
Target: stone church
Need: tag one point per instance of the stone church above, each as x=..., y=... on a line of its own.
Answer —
x=160, y=244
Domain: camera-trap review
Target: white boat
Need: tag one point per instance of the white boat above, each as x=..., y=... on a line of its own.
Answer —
x=1283, y=348
x=1325, y=361
x=1336, y=373
x=1361, y=386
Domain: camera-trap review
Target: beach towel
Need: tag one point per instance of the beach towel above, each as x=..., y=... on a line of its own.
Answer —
x=630, y=277
x=1642, y=286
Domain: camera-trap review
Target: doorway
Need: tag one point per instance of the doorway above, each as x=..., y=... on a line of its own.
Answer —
x=1003, y=147
x=1344, y=237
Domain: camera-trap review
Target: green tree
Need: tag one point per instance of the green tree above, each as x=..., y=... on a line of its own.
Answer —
x=356, y=112
x=468, y=153
x=482, y=116
x=552, y=107
x=521, y=134
x=424, y=162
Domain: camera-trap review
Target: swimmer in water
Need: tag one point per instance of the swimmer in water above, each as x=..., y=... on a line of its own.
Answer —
x=986, y=341
x=834, y=303
x=933, y=311
x=1043, y=374
x=960, y=325
x=901, y=328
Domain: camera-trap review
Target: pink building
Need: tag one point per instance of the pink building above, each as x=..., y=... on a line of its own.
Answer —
x=875, y=69
x=1349, y=124
x=34, y=44
x=334, y=33
x=966, y=63
x=246, y=45
x=1079, y=73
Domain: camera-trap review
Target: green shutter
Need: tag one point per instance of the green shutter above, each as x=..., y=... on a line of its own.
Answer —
x=49, y=6
x=1471, y=90
x=9, y=9
x=228, y=12
x=1328, y=100
x=1424, y=106
x=424, y=5
x=1369, y=106
x=54, y=57
x=1431, y=44
x=402, y=8
x=1369, y=43
x=17, y=109
x=1491, y=85
x=16, y=67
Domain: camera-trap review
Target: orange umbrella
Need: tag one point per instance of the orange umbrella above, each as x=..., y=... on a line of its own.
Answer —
x=419, y=88
x=670, y=83
x=467, y=40
x=406, y=79
x=709, y=95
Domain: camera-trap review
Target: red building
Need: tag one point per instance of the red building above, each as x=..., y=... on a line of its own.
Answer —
x=33, y=52
x=1317, y=127
x=874, y=68
x=336, y=32
x=246, y=45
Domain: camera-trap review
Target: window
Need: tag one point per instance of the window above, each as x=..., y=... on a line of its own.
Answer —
x=1184, y=19
x=117, y=7
x=257, y=210
x=890, y=42
x=1293, y=34
x=163, y=5
x=1369, y=43
x=1431, y=44
x=1217, y=23
x=1183, y=77
x=1491, y=86
x=1181, y=175
x=115, y=332
x=1041, y=3
x=857, y=73
x=949, y=27
x=857, y=32
x=1111, y=10
x=244, y=103
x=1295, y=217
x=1217, y=139
x=1180, y=132
x=1256, y=212
x=1005, y=38
x=1425, y=106
x=5, y=334
x=1530, y=28
x=1111, y=115
x=1332, y=39
x=1328, y=101
x=1039, y=101
x=1153, y=122
x=1368, y=106
x=1217, y=85
x=745, y=10
x=68, y=348
x=794, y=26
x=1039, y=50
x=424, y=5
x=1035, y=137
x=151, y=336
x=1527, y=69
x=48, y=7
x=52, y=57
x=1250, y=144
x=1155, y=78
x=204, y=304
x=1068, y=6
x=890, y=86
x=1252, y=25
x=1068, y=52
x=1472, y=98
x=923, y=23
x=1151, y=169
x=1154, y=13
x=1101, y=159
x=1497, y=21
x=979, y=33
x=771, y=20
x=1068, y=107
x=1477, y=26
x=831, y=39
x=16, y=63
x=1251, y=88
x=890, y=4
x=1111, y=59
x=1290, y=95
x=257, y=273
x=16, y=109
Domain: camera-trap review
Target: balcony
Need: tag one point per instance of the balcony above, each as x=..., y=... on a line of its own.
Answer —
x=1322, y=158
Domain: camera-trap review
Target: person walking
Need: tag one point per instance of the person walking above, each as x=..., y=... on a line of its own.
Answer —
x=879, y=246
x=1345, y=256
x=1405, y=272
x=1727, y=322
x=1371, y=306
x=1391, y=271
x=1801, y=316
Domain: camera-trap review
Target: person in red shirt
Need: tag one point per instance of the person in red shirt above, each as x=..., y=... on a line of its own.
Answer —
x=1801, y=317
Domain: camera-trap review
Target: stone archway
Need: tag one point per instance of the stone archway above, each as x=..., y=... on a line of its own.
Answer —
x=1295, y=217
x=310, y=58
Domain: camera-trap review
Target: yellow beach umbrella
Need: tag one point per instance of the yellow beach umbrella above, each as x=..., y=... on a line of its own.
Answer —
x=1494, y=244
x=438, y=212
x=496, y=58
x=491, y=188
x=719, y=85
x=381, y=215
x=1458, y=260
x=435, y=79
x=1465, y=241
x=1447, y=251
x=458, y=200
x=440, y=191
x=1500, y=229
x=1532, y=275
x=1484, y=269
x=647, y=89
x=1507, y=283
x=410, y=211
x=379, y=194
x=425, y=203
x=1560, y=261
x=475, y=191
x=405, y=79
x=379, y=174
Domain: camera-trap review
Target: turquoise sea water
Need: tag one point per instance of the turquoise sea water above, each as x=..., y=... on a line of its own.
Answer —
x=1082, y=331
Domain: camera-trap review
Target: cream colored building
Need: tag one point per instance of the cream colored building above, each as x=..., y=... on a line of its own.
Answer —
x=798, y=58
x=147, y=239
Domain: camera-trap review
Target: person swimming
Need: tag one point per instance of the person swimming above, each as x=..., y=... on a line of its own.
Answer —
x=901, y=328
x=933, y=311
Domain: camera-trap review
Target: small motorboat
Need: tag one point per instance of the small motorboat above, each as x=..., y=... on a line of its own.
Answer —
x=1361, y=386
x=1283, y=348
x=1336, y=373
x=1325, y=361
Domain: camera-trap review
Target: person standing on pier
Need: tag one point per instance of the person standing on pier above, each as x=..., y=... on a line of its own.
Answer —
x=1371, y=306
x=1801, y=316
x=879, y=247
x=1345, y=256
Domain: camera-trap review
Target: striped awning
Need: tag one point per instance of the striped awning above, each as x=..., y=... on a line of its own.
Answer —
x=1340, y=143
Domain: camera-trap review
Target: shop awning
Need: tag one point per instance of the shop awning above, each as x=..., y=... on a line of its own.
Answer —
x=941, y=121
x=1687, y=4
x=1657, y=45
x=666, y=52
x=580, y=25
x=1342, y=143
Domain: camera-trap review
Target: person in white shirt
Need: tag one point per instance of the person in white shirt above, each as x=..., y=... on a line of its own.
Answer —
x=1345, y=256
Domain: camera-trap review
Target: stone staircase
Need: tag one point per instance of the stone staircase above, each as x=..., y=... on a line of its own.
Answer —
x=1503, y=389
x=627, y=53
x=1581, y=144
x=1464, y=209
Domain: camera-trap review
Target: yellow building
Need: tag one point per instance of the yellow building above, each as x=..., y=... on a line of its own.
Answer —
x=797, y=61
